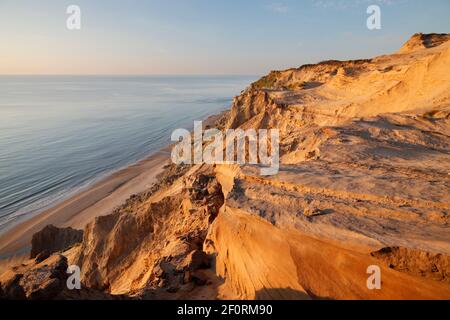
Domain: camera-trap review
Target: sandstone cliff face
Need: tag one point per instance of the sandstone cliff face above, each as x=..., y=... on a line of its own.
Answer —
x=422, y=41
x=45, y=280
x=52, y=239
x=159, y=245
x=365, y=165
x=333, y=92
x=363, y=180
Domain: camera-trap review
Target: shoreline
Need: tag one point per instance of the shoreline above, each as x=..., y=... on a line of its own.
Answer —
x=79, y=209
x=99, y=199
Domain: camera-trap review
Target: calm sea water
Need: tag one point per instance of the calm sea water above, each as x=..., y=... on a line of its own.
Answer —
x=60, y=134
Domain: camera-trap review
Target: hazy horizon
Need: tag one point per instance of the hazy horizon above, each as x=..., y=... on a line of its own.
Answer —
x=122, y=75
x=203, y=37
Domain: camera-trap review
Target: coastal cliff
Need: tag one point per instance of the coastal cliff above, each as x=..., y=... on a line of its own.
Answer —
x=363, y=180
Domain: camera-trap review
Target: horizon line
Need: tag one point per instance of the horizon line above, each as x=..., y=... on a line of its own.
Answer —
x=126, y=75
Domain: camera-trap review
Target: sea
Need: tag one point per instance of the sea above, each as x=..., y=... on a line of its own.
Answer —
x=61, y=134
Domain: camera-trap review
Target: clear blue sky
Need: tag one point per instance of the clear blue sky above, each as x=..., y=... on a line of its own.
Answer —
x=203, y=36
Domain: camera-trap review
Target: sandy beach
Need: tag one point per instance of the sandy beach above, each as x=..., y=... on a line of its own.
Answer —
x=99, y=199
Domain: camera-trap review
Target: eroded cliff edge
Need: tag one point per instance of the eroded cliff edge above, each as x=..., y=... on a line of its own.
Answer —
x=364, y=180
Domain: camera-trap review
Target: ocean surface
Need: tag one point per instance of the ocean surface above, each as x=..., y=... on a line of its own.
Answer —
x=59, y=134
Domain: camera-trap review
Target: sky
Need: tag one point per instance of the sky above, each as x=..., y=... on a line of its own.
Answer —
x=180, y=37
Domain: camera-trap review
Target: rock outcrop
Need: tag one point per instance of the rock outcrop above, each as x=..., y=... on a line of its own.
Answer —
x=159, y=245
x=422, y=41
x=45, y=280
x=52, y=239
x=41, y=281
x=417, y=262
